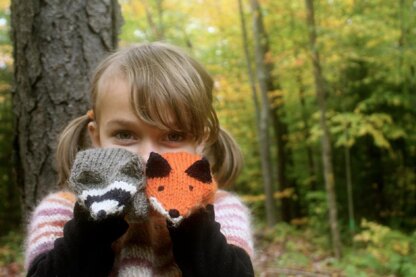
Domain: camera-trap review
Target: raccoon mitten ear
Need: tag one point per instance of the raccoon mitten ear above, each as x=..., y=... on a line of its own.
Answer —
x=111, y=180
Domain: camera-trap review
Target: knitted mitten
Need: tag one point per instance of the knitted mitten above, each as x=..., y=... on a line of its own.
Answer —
x=200, y=249
x=178, y=184
x=109, y=181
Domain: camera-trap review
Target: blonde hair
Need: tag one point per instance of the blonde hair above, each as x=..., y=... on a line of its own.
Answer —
x=169, y=90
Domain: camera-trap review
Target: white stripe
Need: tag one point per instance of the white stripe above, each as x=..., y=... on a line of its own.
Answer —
x=49, y=218
x=231, y=215
x=129, y=271
x=43, y=240
x=115, y=185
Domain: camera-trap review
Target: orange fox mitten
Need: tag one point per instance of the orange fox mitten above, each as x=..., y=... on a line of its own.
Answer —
x=178, y=184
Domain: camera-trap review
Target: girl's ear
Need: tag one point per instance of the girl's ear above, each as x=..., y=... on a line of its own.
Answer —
x=94, y=134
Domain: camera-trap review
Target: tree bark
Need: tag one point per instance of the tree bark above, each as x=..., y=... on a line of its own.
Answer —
x=351, y=217
x=56, y=46
x=250, y=71
x=325, y=140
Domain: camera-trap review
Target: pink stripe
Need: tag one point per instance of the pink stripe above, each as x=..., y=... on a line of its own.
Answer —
x=56, y=234
x=54, y=211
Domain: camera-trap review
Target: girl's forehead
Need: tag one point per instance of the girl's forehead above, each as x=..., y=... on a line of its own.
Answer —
x=115, y=96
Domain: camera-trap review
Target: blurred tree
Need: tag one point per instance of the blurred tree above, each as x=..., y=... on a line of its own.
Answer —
x=265, y=83
x=56, y=46
x=155, y=25
x=326, y=143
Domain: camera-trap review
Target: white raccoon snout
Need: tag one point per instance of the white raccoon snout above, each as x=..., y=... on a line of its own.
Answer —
x=108, y=206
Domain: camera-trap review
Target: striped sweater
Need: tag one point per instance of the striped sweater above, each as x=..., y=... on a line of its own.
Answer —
x=145, y=249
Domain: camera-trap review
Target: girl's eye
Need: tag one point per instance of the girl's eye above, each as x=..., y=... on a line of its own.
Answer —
x=175, y=137
x=124, y=135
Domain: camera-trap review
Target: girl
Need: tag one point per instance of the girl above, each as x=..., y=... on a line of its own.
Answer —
x=147, y=98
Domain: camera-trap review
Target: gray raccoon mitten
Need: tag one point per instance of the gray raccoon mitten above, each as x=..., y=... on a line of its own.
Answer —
x=109, y=181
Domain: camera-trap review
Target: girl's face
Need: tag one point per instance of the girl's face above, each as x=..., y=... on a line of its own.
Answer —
x=118, y=126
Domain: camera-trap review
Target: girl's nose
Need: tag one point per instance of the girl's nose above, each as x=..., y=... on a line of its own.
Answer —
x=146, y=148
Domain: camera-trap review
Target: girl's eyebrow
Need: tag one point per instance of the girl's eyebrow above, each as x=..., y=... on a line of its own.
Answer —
x=121, y=122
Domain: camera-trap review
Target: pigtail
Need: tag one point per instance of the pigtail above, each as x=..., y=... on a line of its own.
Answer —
x=226, y=159
x=72, y=139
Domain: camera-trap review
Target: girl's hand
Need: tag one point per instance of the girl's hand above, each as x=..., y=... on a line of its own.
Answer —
x=200, y=249
x=109, y=182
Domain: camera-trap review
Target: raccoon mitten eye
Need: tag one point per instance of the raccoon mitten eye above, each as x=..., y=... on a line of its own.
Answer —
x=130, y=170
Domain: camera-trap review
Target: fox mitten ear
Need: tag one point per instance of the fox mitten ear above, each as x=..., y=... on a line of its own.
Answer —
x=108, y=181
x=178, y=184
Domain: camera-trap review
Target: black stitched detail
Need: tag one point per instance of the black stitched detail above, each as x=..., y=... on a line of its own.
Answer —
x=157, y=166
x=200, y=170
x=117, y=194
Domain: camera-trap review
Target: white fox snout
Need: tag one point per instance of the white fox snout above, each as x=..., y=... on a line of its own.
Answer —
x=172, y=215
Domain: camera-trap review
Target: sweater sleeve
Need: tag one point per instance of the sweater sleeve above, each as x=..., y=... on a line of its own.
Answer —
x=82, y=249
x=234, y=218
x=47, y=224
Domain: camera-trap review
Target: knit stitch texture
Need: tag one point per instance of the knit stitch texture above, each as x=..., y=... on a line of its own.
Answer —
x=109, y=181
x=145, y=249
x=178, y=184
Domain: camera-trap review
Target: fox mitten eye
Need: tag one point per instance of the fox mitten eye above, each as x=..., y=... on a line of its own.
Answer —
x=107, y=181
x=179, y=184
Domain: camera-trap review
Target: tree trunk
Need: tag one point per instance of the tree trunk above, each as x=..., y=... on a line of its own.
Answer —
x=263, y=76
x=309, y=151
x=264, y=72
x=56, y=46
x=249, y=66
x=351, y=217
x=325, y=141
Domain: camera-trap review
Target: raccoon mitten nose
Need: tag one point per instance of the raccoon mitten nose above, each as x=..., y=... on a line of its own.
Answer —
x=101, y=215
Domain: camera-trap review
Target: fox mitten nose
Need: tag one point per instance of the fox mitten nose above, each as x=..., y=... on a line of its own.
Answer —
x=109, y=181
x=179, y=184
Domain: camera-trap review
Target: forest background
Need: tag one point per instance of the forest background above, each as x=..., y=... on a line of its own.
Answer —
x=356, y=55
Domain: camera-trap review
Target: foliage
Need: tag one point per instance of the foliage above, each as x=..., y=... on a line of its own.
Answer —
x=379, y=248
x=9, y=201
x=11, y=248
x=11, y=254
x=378, y=251
x=369, y=65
